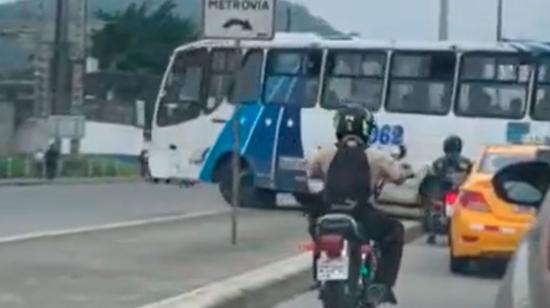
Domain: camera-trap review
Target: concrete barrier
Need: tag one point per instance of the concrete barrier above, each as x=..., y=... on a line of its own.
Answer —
x=260, y=288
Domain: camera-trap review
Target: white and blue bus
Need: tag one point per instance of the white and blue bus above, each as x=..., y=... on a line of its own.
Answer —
x=421, y=93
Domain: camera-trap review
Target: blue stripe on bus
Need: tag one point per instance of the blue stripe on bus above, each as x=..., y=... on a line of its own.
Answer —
x=224, y=143
x=261, y=137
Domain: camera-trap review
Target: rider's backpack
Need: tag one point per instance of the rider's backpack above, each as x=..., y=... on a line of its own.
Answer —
x=348, y=180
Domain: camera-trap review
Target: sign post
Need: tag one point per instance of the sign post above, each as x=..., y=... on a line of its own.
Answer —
x=238, y=20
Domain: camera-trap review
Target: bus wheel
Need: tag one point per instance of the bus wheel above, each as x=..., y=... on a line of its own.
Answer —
x=251, y=197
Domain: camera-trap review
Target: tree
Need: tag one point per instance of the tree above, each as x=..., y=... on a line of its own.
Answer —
x=141, y=38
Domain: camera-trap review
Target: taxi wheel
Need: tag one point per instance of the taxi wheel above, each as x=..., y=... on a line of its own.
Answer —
x=457, y=265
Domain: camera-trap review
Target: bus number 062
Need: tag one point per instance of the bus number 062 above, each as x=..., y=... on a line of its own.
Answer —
x=388, y=135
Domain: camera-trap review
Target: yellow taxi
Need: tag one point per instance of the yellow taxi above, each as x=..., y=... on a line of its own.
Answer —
x=482, y=225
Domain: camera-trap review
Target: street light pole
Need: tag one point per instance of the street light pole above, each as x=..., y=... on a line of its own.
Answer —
x=444, y=20
x=500, y=12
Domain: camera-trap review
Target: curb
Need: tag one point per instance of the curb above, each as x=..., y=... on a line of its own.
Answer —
x=261, y=288
x=65, y=182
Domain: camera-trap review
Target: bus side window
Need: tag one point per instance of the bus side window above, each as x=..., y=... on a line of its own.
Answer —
x=421, y=83
x=222, y=74
x=541, y=107
x=182, y=100
x=292, y=77
x=248, y=86
x=354, y=77
x=493, y=86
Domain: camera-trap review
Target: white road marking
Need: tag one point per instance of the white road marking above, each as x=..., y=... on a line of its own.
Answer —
x=106, y=227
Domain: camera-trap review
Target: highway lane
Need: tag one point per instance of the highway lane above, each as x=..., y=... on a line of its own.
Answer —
x=30, y=209
x=131, y=267
x=426, y=282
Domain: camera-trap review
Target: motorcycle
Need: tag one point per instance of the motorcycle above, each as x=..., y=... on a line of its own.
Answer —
x=345, y=262
x=441, y=206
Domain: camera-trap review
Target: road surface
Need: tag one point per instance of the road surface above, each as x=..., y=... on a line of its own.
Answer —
x=131, y=267
x=30, y=209
x=427, y=283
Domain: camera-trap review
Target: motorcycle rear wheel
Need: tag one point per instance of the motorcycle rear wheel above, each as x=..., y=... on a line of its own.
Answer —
x=335, y=295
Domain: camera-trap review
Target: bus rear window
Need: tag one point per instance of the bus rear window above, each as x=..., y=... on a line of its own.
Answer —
x=354, y=77
x=292, y=77
x=493, y=86
x=492, y=163
x=422, y=83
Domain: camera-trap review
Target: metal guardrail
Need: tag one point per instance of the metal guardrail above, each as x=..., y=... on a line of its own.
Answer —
x=13, y=167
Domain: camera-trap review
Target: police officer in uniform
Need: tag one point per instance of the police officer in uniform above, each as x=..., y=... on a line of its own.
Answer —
x=386, y=231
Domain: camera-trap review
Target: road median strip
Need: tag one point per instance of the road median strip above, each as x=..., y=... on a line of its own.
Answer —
x=260, y=288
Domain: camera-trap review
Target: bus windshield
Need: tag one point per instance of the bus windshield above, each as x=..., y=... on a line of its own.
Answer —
x=354, y=78
x=181, y=101
x=494, y=86
x=292, y=77
x=541, y=107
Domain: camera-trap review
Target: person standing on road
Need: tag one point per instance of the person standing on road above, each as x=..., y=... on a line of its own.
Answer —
x=52, y=158
x=144, y=163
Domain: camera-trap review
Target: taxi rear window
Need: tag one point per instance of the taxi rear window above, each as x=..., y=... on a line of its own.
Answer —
x=492, y=163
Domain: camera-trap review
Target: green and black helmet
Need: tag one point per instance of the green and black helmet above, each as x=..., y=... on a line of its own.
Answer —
x=354, y=121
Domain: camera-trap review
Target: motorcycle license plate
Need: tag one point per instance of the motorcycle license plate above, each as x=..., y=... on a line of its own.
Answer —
x=333, y=269
x=449, y=211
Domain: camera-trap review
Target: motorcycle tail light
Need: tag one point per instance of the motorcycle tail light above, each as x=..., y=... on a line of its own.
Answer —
x=332, y=245
x=450, y=198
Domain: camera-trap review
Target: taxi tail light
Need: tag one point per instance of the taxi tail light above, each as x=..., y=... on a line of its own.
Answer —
x=332, y=245
x=474, y=201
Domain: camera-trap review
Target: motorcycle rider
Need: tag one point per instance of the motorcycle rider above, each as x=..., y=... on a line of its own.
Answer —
x=355, y=125
x=452, y=161
x=444, y=169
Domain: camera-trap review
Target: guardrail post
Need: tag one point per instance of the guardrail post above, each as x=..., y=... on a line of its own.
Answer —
x=60, y=168
x=27, y=167
x=90, y=172
x=104, y=168
x=9, y=170
x=116, y=168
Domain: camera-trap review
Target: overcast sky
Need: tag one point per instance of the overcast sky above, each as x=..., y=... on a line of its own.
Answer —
x=418, y=19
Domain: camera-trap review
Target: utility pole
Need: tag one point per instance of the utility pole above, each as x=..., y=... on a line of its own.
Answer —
x=500, y=17
x=61, y=62
x=444, y=20
x=68, y=64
